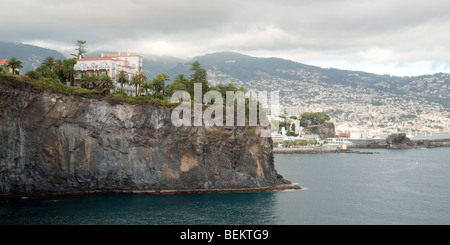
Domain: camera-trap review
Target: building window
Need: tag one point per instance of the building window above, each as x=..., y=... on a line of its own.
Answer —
x=103, y=65
x=134, y=66
x=93, y=65
x=113, y=74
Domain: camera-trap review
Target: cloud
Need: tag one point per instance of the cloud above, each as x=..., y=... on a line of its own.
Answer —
x=347, y=32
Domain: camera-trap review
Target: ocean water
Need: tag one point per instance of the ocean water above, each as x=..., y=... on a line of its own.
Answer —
x=393, y=187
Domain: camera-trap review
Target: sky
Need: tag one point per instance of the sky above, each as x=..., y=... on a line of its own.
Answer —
x=397, y=37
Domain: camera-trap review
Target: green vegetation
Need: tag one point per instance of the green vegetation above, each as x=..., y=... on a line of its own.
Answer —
x=5, y=77
x=298, y=143
x=138, y=79
x=199, y=76
x=181, y=83
x=291, y=133
x=102, y=83
x=54, y=85
x=81, y=49
x=119, y=98
x=55, y=75
x=313, y=118
x=14, y=64
x=158, y=86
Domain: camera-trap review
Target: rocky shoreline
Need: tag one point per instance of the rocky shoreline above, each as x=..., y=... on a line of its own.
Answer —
x=280, y=187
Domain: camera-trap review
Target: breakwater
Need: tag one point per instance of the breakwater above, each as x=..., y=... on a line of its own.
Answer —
x=402, y=144
x=394, y=141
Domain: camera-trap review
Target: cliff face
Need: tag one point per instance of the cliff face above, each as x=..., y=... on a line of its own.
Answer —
x=324, y=130
x=53, y=143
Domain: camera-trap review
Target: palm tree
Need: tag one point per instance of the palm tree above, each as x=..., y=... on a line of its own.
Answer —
x=59, y=70
x=146, y=86
x=14, y=64
x=158, y=85
x=68, y=70
x=180, y=83
x=138, y=79
x=122, y=78
x=105, y=82
x=49, y=62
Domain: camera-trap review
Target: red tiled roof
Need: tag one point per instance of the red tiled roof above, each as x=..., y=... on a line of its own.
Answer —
x=4, y=62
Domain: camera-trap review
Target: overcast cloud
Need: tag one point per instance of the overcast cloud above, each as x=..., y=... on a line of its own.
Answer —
x=399, y=37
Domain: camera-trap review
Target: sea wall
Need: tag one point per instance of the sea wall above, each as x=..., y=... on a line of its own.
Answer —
x=398, y=141
x=309, y=149
x=60, y=144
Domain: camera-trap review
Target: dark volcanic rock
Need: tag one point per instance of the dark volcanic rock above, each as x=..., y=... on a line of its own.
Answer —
x=399, y=141
x=53, y=143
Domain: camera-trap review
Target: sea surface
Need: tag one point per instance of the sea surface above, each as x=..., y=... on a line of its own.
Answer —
x=393, y=187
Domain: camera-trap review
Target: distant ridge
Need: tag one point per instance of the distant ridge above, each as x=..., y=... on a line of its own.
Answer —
x=30, y=55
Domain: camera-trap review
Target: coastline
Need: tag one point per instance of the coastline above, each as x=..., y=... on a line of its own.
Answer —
x=280, y=187
x=364, y=143
x=317, y=150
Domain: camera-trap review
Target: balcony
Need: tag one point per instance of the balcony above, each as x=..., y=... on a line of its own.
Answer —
x=79, y=67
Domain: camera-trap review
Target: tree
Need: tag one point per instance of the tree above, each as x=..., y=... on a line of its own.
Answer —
x=105, y=83
x=179, y=84
x=44, y=71
x=34, y=75
x=158, y=85
x=138, y=79
x=14, y=64
x=313, y=118
x=135, y=81
x=68, y=70
x=81, y=49
x=59, y=69
x=3, y=69
x=224, y=88
x=49, y=62
x=88, y=82
x=146, y=86
x=122, y=78
x=199, y=76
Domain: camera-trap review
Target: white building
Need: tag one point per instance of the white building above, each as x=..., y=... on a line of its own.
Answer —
x=110, y=64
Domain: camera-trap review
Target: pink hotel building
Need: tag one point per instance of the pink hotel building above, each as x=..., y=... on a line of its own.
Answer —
x=110, y=64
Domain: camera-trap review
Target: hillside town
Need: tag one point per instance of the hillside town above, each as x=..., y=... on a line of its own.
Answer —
x=355, y=109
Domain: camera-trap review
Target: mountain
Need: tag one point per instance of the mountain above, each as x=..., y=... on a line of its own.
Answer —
x=30, y=55
x=252, y=72
x=155, y=65
x=352, y=98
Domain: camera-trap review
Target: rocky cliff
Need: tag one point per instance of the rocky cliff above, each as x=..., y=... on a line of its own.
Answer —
x=324, y=130
x=54, y=143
